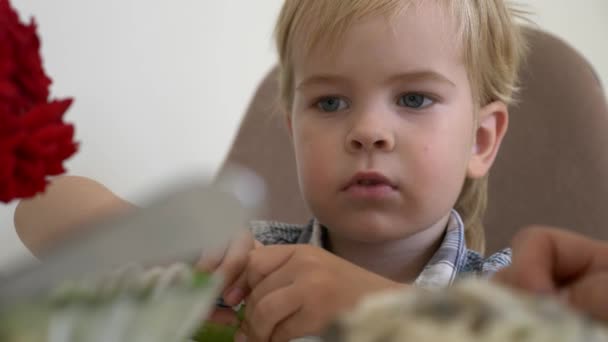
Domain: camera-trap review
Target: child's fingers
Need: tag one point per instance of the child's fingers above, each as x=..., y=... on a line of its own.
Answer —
x=209, y=261
x=224, y=316
x=298, y=325
x=235, y=260
x=237, y=291
x=243, y=333
x=269, y=311
x=265, y=260
x=279, y=278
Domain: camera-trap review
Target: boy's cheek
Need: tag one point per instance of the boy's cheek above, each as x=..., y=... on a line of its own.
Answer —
x=314, y=178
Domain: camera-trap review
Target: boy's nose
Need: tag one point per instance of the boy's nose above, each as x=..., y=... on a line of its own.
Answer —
x=370, y=138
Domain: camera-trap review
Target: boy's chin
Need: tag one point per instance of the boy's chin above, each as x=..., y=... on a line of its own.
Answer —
x=374, y=230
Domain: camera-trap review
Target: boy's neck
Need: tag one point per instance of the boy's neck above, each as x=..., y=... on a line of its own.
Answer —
x=400, y=260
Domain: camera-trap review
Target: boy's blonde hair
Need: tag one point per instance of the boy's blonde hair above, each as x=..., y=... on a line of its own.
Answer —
x=492, y=47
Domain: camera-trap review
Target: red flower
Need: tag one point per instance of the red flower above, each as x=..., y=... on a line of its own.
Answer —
x=34, y=140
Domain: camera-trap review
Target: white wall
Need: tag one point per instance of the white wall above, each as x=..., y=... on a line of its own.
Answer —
x=160, y=86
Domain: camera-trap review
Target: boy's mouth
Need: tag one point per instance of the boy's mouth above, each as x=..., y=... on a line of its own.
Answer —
x=370, y=179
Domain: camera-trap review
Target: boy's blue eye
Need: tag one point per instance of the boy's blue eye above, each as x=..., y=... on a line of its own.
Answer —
x=331, y=104
x=414, y=100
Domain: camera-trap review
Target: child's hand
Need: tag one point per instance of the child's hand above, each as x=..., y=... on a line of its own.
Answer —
x=231, y=263
x=297, y=290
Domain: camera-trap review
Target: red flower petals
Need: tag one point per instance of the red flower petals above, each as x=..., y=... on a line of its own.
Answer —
x=34, y=140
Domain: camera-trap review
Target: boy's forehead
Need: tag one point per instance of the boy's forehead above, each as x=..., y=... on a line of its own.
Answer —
x=420, y=38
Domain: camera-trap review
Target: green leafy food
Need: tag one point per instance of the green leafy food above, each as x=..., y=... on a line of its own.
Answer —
x=213, y=332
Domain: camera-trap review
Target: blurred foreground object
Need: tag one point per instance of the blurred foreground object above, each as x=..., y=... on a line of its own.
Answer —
x=128, y=305
x=473, y=310
x=85, y=290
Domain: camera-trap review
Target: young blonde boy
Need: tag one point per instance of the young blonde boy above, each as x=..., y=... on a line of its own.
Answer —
x=396, y=109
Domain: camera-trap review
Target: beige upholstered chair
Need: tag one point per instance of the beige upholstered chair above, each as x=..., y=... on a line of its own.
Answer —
x=552, y=169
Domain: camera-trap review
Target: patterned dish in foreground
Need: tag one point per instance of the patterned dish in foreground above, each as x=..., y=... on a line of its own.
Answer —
x=471, y=311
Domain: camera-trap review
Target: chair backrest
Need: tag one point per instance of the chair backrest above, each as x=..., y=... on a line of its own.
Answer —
x=552, y=167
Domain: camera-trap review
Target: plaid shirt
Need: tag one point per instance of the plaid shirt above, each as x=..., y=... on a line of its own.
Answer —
x=451, y=261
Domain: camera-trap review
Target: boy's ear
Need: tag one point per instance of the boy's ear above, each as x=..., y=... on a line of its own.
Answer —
x=493, y=122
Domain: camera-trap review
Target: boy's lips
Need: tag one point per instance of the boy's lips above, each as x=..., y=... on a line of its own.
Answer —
x=369, y=180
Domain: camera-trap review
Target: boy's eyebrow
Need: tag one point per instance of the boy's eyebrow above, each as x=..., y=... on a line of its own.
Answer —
x=422, y=75
x=418, y=75
x=320, y=79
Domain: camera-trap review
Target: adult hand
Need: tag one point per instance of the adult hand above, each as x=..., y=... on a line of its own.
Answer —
x=556, y=262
